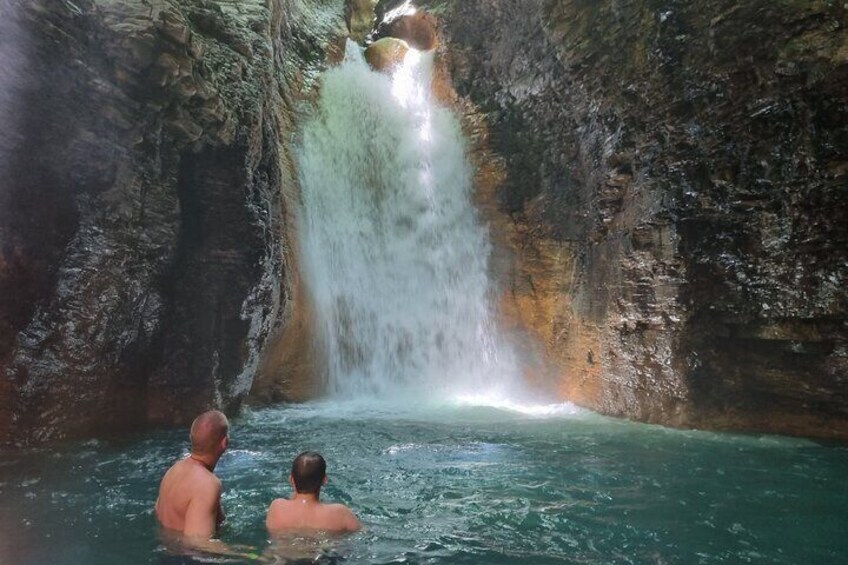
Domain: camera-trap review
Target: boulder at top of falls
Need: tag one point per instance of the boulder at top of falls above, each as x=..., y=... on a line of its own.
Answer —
x=387, y=53
x=418, y=30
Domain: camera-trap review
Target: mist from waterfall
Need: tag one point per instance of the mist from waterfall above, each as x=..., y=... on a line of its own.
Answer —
x=394, y=257
x=13, y=63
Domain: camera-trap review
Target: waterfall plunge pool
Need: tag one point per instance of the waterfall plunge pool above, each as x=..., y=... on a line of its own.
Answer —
x=452, y=484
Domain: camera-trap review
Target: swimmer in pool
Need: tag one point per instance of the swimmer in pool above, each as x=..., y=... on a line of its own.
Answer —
x=189, y=500
x=303, y=511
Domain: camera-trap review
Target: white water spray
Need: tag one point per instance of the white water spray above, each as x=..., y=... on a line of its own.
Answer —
x=394, y=257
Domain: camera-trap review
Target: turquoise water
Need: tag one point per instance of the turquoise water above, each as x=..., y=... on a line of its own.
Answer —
x=454, y=485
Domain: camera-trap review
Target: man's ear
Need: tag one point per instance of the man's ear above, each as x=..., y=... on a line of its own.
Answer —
x=324, y=481
x=291, y=482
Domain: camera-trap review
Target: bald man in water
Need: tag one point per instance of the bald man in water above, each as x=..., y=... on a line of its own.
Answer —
x=190, y=494
x=303, y=511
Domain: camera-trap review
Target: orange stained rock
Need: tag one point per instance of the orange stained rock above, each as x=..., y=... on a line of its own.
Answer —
x=290, y=366
x=534, y=305
x=418, y=30
x=441, y=85
x=387, y=53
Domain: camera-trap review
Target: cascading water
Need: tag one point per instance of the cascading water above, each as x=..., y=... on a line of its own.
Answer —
x=394, y=258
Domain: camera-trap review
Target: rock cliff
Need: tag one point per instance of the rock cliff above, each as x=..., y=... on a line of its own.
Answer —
x=667, y=182
x=146, y=187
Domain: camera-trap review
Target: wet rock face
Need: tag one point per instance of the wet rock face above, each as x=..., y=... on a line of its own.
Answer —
x=359, y=18
x=673, y=200
x=143, y=206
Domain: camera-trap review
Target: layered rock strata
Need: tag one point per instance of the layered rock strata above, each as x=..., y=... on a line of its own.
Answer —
x=146, y=187
x=667, y=182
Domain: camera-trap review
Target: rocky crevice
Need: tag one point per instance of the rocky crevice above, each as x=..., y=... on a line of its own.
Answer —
x=144, y=255
x=671, y=205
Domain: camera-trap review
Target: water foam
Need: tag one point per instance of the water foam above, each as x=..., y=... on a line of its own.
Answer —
x=526, y=408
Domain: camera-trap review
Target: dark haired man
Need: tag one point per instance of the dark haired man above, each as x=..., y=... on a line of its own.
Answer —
x=304, y=511
x=189, y=500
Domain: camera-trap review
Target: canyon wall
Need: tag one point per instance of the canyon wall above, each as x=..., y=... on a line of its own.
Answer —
x=667, y=185
x=145, y=193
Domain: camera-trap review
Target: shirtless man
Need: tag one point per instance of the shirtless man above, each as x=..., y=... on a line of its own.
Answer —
x=304, y=511
x=190, y=494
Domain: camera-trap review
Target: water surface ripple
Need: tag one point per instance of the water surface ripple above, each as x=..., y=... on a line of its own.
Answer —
x=454, y=485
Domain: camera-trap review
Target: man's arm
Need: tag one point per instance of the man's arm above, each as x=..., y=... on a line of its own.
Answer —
x=202, y=512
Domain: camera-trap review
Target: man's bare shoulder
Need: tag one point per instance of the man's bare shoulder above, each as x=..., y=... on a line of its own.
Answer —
x=209, y=482
x=192, y=476
x=343, y=516
x=337, y=508
x=210, y=477
x=276, y=513
x=279, y=504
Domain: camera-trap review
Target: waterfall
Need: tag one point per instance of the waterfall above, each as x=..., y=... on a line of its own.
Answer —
x=393, y=254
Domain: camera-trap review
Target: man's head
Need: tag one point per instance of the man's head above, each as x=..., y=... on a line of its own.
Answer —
x=308, y=473
x=210, y=434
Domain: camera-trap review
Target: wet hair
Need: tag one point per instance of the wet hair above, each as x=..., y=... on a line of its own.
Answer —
x=308, y=472
x=207, y=431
